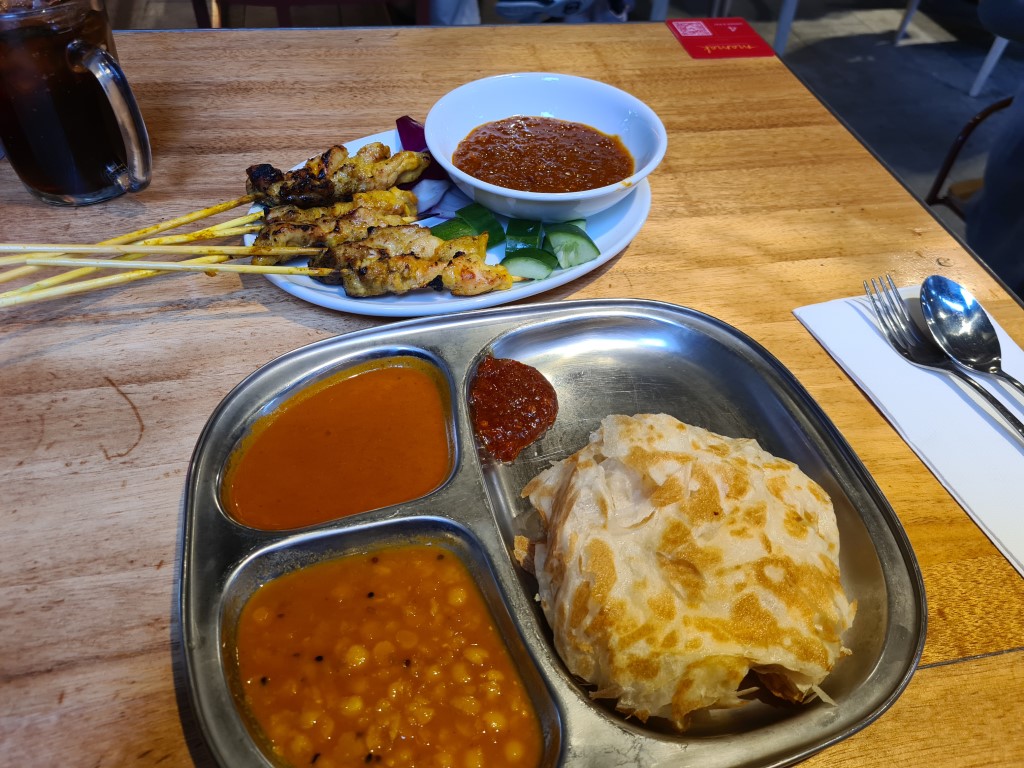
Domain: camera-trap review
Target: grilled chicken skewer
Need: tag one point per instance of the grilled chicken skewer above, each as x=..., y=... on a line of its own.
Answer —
x=335, y=176
x=403, y=258
x=400, y=202
x=336, y=224
x=351, y=206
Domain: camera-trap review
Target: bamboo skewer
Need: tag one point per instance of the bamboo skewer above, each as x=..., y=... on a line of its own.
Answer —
x=203, y=264
x=139, y=234
x=242, y=225
x=180, y=266
x=209, y=233
x=31, y=251
x=84, y=286
x=182, y=220
x=250, y=230
x=224, y=229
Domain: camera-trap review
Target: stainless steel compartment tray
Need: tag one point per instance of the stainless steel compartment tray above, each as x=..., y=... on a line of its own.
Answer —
x=603, y=357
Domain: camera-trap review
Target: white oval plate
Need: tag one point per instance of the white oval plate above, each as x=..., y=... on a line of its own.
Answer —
x=611, y=231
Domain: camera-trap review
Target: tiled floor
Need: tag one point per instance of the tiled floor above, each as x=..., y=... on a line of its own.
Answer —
x=906, y=102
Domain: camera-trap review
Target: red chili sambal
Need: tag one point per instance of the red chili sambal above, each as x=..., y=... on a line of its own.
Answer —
x=542, y=154
x=511, y=405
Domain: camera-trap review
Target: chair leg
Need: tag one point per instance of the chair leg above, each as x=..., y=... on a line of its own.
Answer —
x=934, y=195
x=659, y=10
x=422, y=12
x=998, y=46
x=284, y=15
x=907, y=15
x=202, y=13
x=786, y=14
x=720, y=8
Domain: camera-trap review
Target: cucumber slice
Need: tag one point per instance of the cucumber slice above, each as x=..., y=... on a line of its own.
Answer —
x=581, y=223
x=482, y=220
x=523, y=233
x=570, y=244
x=531, y=263
x=537, y=254
x=451, y=229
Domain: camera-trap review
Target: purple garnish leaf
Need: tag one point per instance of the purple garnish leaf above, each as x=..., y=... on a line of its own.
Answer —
x=410, y=133
x=413, y=139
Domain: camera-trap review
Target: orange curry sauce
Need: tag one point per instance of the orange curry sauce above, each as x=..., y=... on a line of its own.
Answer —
x=542, y=154
x=366, y=438
x=384, y=658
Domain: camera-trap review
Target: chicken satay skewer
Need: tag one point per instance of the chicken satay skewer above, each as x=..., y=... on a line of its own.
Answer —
x=373, y=167
x=400, y=202
x=400, y=259
x=335, y=175
x=313, y=221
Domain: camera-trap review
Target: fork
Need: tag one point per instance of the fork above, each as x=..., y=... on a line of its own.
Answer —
x=905, y=337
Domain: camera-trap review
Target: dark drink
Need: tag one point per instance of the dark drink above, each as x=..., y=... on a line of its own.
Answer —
x=57, y=125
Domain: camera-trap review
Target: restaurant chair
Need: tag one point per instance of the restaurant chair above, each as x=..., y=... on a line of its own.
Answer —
x=991, y=59
x=958, y=194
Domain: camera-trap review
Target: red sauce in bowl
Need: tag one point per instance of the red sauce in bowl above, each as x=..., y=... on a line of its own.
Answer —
x=542, y=154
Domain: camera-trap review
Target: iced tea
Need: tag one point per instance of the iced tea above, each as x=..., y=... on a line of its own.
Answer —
x=56, y=124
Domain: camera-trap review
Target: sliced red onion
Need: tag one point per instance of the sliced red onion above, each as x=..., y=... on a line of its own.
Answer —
x=413, y=139
x=410, y=133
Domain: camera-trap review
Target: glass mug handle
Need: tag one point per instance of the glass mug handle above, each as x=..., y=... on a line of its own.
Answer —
x=105, y=69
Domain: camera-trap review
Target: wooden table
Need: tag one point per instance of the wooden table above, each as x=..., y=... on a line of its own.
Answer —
x=763, y=203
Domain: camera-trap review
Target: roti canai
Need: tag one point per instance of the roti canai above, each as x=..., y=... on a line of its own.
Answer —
x=675, y=562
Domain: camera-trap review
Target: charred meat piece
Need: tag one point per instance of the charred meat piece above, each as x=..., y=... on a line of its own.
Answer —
x=404, y=258
x=399, y=202
x=335, y=176
x=352, y=227
x=333, y=225
x=374, y=275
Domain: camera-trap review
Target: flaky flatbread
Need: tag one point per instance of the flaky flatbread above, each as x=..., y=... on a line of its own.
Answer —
x=676, y=561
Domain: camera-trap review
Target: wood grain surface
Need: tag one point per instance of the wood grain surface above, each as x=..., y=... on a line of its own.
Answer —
x=763, y=203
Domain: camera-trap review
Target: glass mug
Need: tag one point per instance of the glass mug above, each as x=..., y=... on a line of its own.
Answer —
x=68, y=120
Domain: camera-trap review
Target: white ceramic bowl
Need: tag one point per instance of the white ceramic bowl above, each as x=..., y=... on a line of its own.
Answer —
x=542, y=94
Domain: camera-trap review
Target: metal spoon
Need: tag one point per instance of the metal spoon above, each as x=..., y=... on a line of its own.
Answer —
x=962, y=328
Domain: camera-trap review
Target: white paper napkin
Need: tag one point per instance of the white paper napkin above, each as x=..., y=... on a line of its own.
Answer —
x=966, y=447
